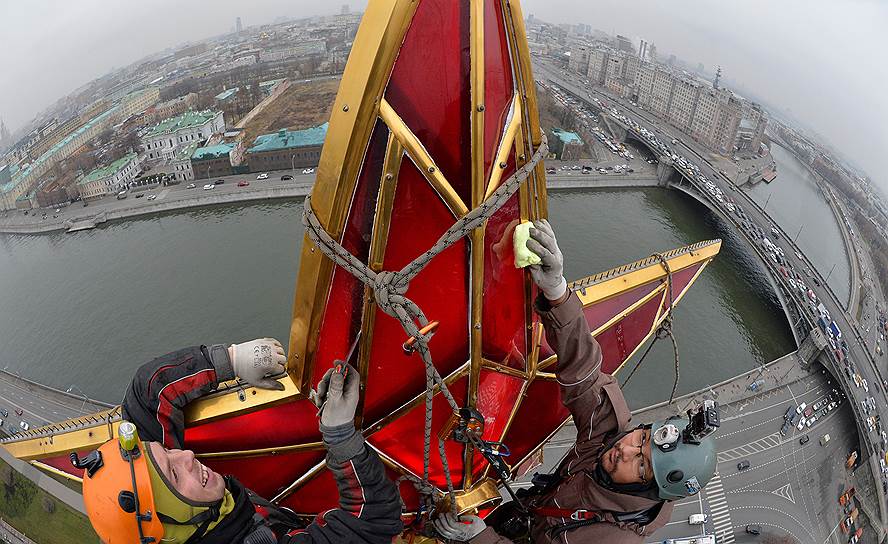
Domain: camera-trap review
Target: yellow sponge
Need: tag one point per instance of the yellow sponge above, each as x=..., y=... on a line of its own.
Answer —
x=523, y=256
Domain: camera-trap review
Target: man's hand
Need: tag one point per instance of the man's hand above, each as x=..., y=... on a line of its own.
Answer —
x=549, y=274
x=459, y=529
x=338, y=394
x=256, y=361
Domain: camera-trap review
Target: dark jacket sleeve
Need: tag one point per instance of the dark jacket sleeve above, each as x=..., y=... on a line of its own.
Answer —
x=587, y=393
x=163, y=387
x=369, y=505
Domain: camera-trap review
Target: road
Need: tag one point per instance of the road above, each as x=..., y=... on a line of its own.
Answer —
x=858, y=352
x=789, y=488
x=170, y=193
x=38, y=405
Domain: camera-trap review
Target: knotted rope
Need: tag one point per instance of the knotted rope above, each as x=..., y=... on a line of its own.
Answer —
x=390, y=288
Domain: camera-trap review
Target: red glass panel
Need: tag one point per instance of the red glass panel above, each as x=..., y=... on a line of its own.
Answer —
x=429, y=87
x=63, y=463
x=497, y=395
x=620, y=339
x=540, y=413
x=498, y=87
x=441, y=290
x=600, y=313
x=342, y=317
x=504, y=304
x=283, y=425
x=403, y=439
x=267, y=475
x=681, y=280
x=319, y=494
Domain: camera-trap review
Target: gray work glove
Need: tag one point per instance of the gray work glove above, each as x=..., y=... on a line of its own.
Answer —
x=459, y=529
x=257, y=361
x=338, y=394
x=549, y=274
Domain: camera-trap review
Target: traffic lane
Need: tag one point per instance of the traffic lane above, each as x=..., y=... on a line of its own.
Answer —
x=171, y=192
x=36, y=408
x=779, y=490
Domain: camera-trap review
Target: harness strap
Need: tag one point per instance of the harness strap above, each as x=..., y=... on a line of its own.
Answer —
x=580, y=514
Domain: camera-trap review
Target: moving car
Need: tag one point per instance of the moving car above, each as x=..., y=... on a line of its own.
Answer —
x=743, y=465
x=140, y=195
x=219, y=181
x=152, y=197
x=190, y=186
x=804, y=440
x=263, y=175
x=243, y=183
x=208, y=186
x=824, y=440
x=754, y=529
x=286, y=177
x=697, y=519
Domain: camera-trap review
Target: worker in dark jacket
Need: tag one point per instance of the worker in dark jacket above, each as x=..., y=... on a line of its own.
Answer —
x=153, y=491
x=618, y=483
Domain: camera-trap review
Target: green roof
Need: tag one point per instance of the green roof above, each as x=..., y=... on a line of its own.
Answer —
x=212, y=152
x=19, y=176
x=188, y=119
x=227, y=93
x=185, y=152
x=270, y=83
x=106, y=171
x=567, y=137
x=290, y=139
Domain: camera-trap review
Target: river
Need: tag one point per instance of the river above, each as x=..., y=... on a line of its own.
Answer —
x=86, y=309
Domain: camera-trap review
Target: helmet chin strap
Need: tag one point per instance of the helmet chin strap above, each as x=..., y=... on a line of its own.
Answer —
x=646, y=490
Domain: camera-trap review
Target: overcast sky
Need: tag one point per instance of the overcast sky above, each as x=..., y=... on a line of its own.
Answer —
x=821, y=60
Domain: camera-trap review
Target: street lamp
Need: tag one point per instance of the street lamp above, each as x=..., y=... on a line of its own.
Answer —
x=85, y=398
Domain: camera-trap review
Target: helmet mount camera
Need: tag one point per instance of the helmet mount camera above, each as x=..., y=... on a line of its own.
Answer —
x=702, y=422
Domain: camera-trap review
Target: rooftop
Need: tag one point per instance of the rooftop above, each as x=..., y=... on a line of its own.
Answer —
x=22, y=175
x=188, y=119
x=567, y=137
x=106, y=171
x=212, y=152
x=185, y=152
x=227, y=93
x=290, y=139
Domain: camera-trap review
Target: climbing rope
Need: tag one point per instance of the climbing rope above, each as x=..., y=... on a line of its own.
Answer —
x=390, y=288
x=664, y=330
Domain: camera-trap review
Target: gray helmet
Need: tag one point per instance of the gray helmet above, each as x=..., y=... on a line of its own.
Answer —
x=683, y=460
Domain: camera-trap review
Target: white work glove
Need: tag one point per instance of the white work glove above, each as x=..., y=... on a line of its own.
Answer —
x=257, y=361
x=459, y=529
x=549, y=274
x=338, y=394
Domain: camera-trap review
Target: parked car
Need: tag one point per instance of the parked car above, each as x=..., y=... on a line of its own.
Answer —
x=18, y=412
x=4, y=412
x=24, y=426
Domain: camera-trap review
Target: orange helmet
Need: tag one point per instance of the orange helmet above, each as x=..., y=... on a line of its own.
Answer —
x=117, y=490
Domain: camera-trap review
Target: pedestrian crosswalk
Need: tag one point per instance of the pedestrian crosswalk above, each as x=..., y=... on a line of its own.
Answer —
x=719, y=515
x=760, y=445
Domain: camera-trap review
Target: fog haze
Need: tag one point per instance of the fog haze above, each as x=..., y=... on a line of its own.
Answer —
x=818, y=62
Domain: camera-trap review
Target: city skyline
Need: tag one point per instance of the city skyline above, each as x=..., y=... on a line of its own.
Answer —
x=770, y=57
